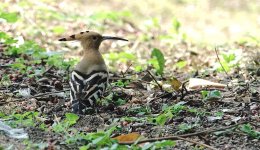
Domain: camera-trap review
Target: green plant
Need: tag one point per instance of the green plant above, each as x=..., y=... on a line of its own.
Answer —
x=250, y=39
x=175, y=109
x=181, y=64
x=64, y=125
x=9, y=16
x=95, y=140
x=165, y=144
x=208, y=95
x=230, y=60
x=5, y=80
x=152, y=23
x=247, y=128
x=28, y=47
x=112, y=98
x=33, y=145
x=32, y=54
x=58, y=30
x=219, y=114
x=121, y=83
x=198, y=111
x=168, y=113
x=27, y=119
x=184, y=127
x=162, y=118
x=140, y=110
x=176, y=25
x=157, y=60
x=58, y=61
x=121, y=57
x=6, y=39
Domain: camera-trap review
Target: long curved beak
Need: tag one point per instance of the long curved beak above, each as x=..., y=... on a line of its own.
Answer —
x=113, y=38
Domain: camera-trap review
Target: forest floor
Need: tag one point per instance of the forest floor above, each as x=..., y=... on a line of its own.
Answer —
x=150, y=103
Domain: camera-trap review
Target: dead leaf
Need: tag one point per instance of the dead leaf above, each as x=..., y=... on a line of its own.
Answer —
x=131, y=137
x=196, y=83
x=175, y=83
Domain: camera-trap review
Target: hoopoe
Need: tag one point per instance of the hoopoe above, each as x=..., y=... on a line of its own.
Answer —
x=89, y=78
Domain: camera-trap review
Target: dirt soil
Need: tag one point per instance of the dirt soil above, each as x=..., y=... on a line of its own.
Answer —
x=49, y=95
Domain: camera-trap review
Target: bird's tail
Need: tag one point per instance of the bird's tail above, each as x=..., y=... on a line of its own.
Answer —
x=79, y=107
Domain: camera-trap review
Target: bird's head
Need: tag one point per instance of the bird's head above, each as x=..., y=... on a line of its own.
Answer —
x=90, y=39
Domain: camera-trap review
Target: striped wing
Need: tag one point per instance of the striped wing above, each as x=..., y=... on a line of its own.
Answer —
x=86, y=89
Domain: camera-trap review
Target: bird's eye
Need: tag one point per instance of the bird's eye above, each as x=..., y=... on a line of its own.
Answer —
x=94, y=38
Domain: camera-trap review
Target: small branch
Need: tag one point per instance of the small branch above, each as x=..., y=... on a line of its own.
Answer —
x=123, y=73
x=216, y=51
x=35, y=96
x=183, y=135
x=183, y=89
x=48, y=93
x=160, y=86
x=47, y=70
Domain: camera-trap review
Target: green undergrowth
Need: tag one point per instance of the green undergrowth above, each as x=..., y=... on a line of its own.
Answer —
x=31, y=59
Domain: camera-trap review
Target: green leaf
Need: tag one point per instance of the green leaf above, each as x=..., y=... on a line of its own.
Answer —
x=58, y=127
x=58, y=29
x=9, y=17
x=159, y=57
x=165, y=143
x=159, y=145
x=84, y=147
x=120, y=101
x=204, y=94
x=138, y=68
x=161, y=119
x=229, y=57
x=215, y=93
x=71, y=118
x=211, y=94
x=247, y=128
x=181, y=64
x=219, y=114
x=184, y=127
x=3, y=35
x=176, y=25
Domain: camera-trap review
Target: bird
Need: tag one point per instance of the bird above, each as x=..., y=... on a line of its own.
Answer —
x=89, y=78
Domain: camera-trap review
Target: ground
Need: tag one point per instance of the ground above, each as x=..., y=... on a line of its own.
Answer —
x=169, y=44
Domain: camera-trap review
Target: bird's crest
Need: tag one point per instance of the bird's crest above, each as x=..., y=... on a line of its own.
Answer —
x=78, y=36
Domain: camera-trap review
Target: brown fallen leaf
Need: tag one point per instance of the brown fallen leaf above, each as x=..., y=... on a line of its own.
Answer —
x=196, y=83
x=131, y=137
x=173, y=83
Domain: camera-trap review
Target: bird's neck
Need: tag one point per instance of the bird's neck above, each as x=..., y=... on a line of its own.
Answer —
x=92, y=60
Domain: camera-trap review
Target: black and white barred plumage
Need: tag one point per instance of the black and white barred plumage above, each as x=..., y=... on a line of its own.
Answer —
x=90, y=77
x=86, y=89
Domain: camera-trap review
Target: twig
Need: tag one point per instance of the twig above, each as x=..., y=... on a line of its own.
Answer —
x=38, y=95
x=183, y=135
x=183, y=88
x=123, y=73
x=216, y=51
x=160, y=86
x=48, y=93
x=47, y=70
x=197, y=143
